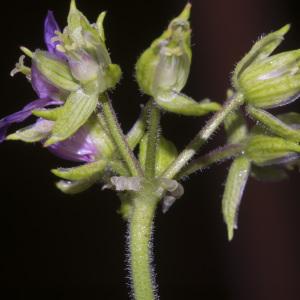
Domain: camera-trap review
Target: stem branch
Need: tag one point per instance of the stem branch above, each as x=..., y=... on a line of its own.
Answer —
x=217, y=155
x=118, y=137
x=204, y=134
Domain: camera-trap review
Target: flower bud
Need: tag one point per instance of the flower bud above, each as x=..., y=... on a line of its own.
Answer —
x=268, y=150
x=55, y=70
x=274, y=81
x=165, y=65
x=260, y=50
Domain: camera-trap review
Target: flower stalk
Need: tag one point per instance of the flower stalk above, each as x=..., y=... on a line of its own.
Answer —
x=153, y=140
x=204, y=134
x=118, y=137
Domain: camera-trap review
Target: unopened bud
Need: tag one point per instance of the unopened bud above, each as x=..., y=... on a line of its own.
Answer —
x=165, y=65
x=274, y=81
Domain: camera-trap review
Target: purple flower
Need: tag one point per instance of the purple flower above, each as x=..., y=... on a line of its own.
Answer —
x=79, y=147
x=41, y=85
x=47, y=93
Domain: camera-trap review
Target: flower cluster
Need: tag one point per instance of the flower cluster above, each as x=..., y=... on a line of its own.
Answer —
x=68, y=79
x=76, y=122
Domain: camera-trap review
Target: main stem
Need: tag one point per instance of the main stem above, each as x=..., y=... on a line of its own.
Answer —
x=204, y=134
x=140, y=231
x=119, y=138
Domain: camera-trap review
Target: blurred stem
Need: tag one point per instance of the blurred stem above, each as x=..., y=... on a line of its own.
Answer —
x=153, y=140
x=204, y=134
x=140, y=231
x=118, y=137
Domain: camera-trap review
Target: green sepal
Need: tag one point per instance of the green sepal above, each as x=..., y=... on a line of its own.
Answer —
x=166, y=154
x=54, y=70
x=269, y=173
x=76, y=111
x=107, y=78
x=74, y=187
x=260, y=50
x=49, y=114
x=272, y=82
x=99, y=24
x=112, y=76
x=235, y=127
x=267, y=150
x=32, y=133
x=81, y=35
x=76, y=22
x=181, y=104
x=234, y=188
x=82, y=172
x=276, y=125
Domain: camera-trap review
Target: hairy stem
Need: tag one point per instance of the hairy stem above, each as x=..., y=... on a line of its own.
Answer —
x=153, y=140
x=137, y=131
x=140, y=231
x=119, y=138
x=204, y=134
x=217, y=155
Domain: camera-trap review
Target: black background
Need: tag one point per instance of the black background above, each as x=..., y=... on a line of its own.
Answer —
x=55, y=246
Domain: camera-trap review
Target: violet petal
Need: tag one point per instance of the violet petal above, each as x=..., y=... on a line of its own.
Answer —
x=50, y=26
x=42, y=87
x=23, y=114
x=78, y=147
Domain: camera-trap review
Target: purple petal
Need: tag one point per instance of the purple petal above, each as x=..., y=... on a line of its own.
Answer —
x=50, y=27
x=23, y=114
x=42, y=87
x=79, y=147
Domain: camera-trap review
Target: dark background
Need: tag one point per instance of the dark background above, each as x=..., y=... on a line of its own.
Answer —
x=55, y=246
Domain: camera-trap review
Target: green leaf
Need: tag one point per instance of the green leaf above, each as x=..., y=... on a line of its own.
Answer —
x=275, y=125
x=184, y=105
x=33, y=133
x=234, y=188
x=166, y=154
x=82, y=172
x=260, y=50
x=76, y=111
